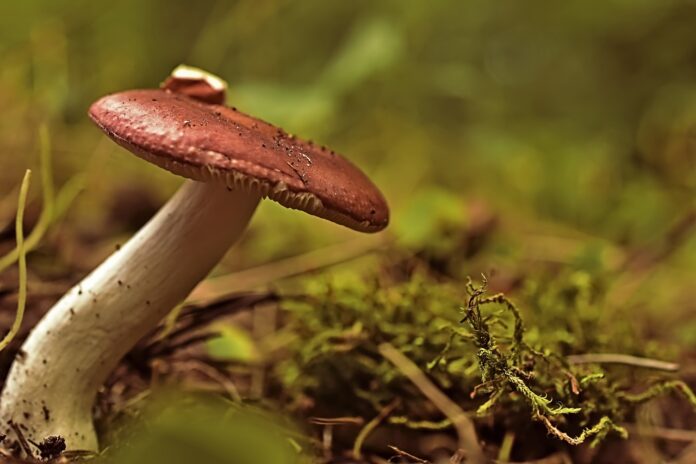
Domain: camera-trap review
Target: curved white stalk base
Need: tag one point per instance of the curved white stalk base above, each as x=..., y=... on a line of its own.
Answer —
x=51, y=388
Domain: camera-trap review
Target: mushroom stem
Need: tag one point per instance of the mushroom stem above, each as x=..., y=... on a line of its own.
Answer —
x=52, y=385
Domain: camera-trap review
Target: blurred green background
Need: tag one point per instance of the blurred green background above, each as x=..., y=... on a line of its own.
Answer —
x=561, y=134
x=571, y=122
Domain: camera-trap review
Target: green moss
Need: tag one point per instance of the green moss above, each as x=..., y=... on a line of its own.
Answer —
x=479, y=353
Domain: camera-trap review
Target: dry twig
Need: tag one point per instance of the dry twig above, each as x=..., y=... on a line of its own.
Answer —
x=617, y=358
x=464, y=426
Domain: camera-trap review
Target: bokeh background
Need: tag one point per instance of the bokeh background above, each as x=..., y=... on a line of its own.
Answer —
x=580, y=114
x=575, y=123
x=572, y=124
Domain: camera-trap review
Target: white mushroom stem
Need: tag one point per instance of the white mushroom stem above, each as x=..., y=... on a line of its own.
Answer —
x=52, y=385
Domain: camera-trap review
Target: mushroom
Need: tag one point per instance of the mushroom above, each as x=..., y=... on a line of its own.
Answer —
x=231, y=161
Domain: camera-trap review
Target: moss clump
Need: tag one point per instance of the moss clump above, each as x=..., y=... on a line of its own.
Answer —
x=519, y=368
x=474, y=347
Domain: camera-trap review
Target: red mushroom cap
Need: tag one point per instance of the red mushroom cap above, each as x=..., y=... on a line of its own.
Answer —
x=214, y=143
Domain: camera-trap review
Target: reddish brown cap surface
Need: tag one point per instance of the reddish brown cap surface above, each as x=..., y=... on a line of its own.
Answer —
x=208, y=142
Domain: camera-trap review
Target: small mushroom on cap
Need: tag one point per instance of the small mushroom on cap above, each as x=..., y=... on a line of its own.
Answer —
x=231, y=160
x=197, y=84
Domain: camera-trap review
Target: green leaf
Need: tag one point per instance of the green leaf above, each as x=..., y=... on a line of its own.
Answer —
x=232, y=343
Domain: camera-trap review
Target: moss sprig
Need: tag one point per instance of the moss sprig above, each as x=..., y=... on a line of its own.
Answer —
x=502, y=369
